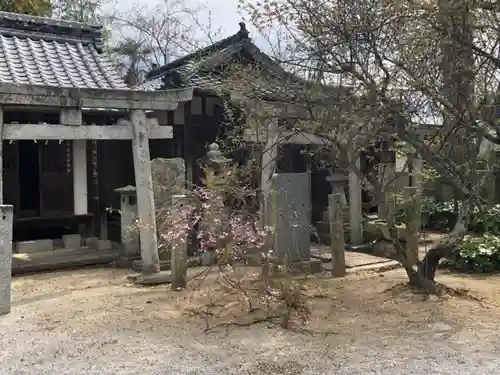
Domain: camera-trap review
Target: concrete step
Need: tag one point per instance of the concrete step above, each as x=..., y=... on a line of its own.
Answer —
x=61, y=259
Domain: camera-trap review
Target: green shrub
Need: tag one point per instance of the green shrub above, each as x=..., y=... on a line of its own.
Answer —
x=487, y=221
x=477, y=254
x=438, y=215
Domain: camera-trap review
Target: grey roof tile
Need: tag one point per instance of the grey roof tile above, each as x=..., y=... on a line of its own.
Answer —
x=41, y=51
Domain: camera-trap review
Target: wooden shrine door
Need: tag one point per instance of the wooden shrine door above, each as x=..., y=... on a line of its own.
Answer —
x=56, y=178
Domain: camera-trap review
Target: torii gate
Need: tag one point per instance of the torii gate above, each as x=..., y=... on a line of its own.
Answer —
x=137, y=127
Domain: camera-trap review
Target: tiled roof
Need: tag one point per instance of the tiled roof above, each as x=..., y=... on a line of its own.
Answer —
x=41, y=51
x=208, y=70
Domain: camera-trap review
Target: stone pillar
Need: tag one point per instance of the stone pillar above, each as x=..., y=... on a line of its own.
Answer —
x=387, y=203
x=491, y=184
x=145, y=197
x=129, y=231
x=179, y=255
x=337, y=243
x=80, y=177
x=355, y=205
x=412, y=223
x=268, y=169
x=6, y=226
x=1, y=154
x=339, y=181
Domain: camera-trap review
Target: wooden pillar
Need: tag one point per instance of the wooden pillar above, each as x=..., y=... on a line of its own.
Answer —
x=188, y=145
x=80, y=177
x=268, y=166
x=145, y=198
x=355, y=203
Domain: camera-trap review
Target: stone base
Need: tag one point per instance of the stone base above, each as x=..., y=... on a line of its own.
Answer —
x=61, y=259
x=163, y=277
x=165, y=265
x=37, y=246
x=137, y=265
x=72, y=241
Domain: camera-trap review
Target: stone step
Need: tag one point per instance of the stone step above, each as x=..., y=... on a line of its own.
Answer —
x=61, y=259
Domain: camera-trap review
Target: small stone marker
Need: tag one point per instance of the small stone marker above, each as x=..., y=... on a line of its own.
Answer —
x=179, y=256
x=6, y=226
x=129, y=232
x=336, y=210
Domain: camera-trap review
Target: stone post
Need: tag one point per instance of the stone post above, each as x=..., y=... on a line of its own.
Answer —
x=129, y=231
x=490, y=186
x=355, y=205
x=179, y=256
x=387, y=203
x=145, y=195
x=412, y=222
x=1, y=154
x=268, y=167
x=6, y=226
x=336, y=209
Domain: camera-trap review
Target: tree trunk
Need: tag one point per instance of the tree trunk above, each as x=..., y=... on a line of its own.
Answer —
x=428, y=267
x=423, y=275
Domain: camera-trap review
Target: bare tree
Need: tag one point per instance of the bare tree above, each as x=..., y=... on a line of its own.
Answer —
x=169, y=30
x=401, y=63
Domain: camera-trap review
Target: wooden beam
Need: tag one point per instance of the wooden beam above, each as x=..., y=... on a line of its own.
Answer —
x=72, y=132
x=44, y=96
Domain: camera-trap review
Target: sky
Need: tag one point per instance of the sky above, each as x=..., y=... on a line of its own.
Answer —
x=224, y=13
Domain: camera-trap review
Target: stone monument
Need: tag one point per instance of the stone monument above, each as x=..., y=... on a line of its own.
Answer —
x=291, y=210
x=6, y=226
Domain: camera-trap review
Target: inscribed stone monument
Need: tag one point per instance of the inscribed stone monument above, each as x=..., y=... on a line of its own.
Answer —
x=291, y=211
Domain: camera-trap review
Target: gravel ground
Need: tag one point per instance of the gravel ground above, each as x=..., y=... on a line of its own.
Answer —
x=92, y=322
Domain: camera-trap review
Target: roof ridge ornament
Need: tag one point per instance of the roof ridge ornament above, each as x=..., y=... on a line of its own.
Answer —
x=243, y=33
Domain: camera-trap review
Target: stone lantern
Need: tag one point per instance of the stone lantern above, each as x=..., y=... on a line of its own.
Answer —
x=339, y=182
x=217, y=163
x=128, y=208
x=215, y=159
